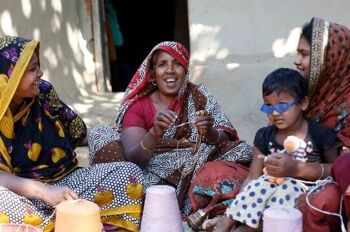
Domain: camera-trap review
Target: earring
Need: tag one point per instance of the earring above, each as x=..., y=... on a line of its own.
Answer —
x=153, y=82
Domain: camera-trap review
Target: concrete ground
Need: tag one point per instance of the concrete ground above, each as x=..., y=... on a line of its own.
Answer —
x=94, y=109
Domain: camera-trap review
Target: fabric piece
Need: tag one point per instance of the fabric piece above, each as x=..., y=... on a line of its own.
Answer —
x=213, y=189
x=260, y=194
x=330, y=101
x=327, y=198
x=340, y=171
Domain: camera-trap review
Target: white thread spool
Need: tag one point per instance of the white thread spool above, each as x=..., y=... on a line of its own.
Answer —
x=282, y=219
x=161, y=211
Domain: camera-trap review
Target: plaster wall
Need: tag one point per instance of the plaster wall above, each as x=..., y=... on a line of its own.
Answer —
x=236, y=43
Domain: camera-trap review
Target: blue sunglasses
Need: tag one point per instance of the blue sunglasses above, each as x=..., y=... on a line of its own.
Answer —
x=280, y=107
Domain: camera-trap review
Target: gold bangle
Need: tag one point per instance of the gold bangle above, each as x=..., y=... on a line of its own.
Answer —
x=322, y=172
x=144, y=147
x=218, y=139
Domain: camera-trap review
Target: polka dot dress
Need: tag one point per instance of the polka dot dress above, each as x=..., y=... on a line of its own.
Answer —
x=260, y=194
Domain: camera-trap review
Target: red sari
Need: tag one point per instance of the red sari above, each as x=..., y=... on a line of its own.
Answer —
x=329, y=92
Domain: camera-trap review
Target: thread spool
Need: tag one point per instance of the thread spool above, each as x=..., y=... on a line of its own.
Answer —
x=18, y=228
x=161, y=211
x=78, y=215
x=282, y=219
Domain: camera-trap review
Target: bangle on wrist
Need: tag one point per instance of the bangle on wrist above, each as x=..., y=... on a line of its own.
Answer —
x=144, y=147
x=217, y=139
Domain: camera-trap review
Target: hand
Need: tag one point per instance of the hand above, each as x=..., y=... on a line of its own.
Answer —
x=53, y=195
x=280, y=165
x=204, y=121
x=162, y=121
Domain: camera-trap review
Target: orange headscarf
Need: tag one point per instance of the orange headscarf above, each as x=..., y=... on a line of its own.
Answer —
x=329, y=88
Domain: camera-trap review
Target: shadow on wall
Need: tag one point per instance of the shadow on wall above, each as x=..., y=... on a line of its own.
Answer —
x=66, y=51
x=66, y=40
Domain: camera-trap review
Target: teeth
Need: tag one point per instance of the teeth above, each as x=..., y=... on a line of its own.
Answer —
x=170, y=80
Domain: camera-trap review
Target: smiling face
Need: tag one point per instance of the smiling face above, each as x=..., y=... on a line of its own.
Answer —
x=289, y=118
x=29, y=85
x=302, y=61
x=168, y=73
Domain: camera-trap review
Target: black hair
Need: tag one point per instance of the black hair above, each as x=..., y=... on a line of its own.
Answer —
x=306, y=31
x=285, y=80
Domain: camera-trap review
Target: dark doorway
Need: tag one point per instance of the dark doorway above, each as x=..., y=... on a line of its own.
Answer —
x=143, y=24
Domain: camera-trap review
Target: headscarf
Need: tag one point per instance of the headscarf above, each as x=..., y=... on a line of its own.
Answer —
x=141, y=83
x=329, y=86
x=37, y=141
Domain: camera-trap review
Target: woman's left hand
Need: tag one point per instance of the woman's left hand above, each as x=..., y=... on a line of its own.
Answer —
x=204, y=121
x=280, y=165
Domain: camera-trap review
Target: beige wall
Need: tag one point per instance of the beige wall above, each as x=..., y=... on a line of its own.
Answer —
x=236, y=43
x=65, y=30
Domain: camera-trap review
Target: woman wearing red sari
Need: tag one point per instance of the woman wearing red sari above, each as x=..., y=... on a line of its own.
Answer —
x=324, y=58
x=169, y=126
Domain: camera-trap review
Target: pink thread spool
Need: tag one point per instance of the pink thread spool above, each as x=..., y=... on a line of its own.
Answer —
x=161, y=211
x=18, y=228
x=282, y=219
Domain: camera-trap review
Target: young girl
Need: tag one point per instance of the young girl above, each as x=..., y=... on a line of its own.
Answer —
x=285, y=99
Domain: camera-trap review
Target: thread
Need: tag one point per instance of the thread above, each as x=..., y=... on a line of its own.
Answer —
x=161, y=211
x=282, y=219
x=78, y=215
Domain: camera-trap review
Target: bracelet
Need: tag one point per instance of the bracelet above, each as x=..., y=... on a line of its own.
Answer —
x=144, y=147
x=322, y=172
x=218, y=138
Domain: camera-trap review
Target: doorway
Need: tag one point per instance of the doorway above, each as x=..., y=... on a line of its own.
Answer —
x=142, y=25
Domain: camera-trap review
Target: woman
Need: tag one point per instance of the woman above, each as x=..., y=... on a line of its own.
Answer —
x=324, y=58
x=168, y=125
x=38, y=166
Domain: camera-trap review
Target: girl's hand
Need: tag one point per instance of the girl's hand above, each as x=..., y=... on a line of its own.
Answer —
x=53, y=195
x=204, y=121
x=162, y=121
x=280, y=165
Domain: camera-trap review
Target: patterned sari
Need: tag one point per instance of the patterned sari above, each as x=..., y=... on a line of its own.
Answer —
x=329, y=92
x=180, y=153
x=38, y=143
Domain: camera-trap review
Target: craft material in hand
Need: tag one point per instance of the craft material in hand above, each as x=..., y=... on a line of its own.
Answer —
x=161, y=211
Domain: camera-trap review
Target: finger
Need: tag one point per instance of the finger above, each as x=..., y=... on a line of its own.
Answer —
x=166, y=116
x=202, y=113
x=170, y=115
x=264, y=157
x=209, y=223
x=73, y=195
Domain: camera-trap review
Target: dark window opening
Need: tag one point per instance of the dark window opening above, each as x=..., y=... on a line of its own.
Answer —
x=143, y=24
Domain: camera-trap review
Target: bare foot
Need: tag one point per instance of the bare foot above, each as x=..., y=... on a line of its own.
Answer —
x=218, y=224
x=209, y=224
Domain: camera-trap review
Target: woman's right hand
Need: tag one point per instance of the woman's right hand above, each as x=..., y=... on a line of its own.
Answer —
x=53, y=195
x=162, y=121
